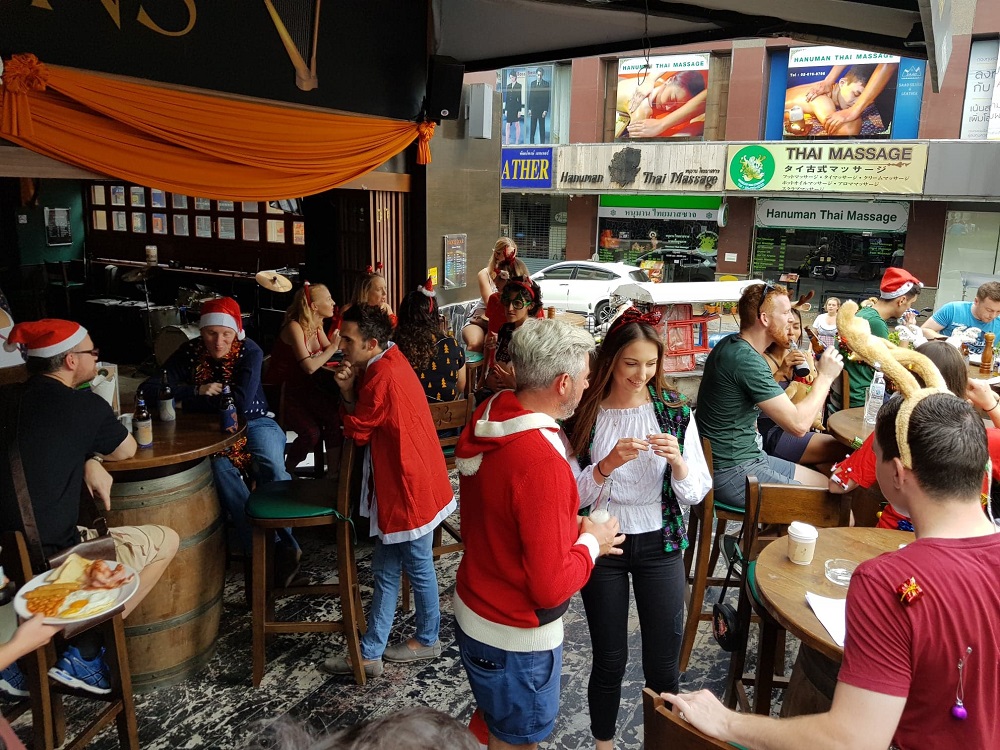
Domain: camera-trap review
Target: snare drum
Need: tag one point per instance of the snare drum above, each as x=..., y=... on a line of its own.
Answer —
x=171, y=338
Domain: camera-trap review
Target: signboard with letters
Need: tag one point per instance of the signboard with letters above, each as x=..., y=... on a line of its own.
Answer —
x=838, y=167
x=526, y=167
x=661, y=97
x=653, y=168
x=977, y=114
x=842, y=215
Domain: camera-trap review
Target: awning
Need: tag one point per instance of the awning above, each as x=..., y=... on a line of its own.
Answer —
x=491, y=34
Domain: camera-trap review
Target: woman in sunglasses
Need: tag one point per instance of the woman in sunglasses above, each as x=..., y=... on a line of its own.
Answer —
x=520, y=299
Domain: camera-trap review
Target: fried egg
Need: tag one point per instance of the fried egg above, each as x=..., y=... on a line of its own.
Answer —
x=87, y=602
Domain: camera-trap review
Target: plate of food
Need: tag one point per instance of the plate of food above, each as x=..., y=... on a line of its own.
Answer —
x=77, y=591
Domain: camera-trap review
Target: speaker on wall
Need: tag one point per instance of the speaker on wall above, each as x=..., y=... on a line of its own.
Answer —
x=444, y=87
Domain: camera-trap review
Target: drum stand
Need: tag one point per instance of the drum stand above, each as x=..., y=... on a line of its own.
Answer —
x=149, y=364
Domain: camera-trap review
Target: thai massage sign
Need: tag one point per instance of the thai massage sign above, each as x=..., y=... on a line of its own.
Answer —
x=846, y=167
x=654, y=168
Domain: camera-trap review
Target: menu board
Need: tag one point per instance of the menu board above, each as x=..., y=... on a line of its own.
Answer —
x=768, y=254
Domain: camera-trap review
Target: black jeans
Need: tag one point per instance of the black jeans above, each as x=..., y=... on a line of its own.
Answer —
x=658, y=582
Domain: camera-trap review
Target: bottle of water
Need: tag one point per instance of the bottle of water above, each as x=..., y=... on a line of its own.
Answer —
x=876, y=395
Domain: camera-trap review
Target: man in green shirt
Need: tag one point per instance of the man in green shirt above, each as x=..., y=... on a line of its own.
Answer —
x=737, y=386
x=898, y=290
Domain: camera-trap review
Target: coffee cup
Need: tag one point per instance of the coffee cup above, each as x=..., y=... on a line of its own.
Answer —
x=801, y=542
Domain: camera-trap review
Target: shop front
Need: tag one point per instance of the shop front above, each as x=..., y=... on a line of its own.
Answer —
x=837, y=248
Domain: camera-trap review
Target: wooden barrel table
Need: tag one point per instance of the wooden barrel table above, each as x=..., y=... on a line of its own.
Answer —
x=172, y=633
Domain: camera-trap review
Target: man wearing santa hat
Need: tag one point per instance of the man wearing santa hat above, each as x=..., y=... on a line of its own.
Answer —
x=198, y=371
x=63, y=435
x=898, y=290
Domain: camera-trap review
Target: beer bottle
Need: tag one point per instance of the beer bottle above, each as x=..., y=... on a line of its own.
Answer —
x=166, y=395
x=817, y=345
x=142, y=423
x=228, y=420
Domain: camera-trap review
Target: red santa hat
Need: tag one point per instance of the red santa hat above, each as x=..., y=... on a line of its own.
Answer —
x=45, y=338
x=224, y=311
x=428, y=287
x=898, y=282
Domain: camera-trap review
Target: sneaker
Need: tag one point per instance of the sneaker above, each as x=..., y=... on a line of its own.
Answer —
x=12, y=684
x=75, y=671
x=341, y=665
x=401, y=652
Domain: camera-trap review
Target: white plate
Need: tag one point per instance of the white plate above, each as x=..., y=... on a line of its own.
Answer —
x=124, y=593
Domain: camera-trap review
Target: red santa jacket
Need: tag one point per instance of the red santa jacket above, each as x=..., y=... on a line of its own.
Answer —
x=393, y=418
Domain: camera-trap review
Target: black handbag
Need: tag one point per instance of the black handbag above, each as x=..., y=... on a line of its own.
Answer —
x=726, y=626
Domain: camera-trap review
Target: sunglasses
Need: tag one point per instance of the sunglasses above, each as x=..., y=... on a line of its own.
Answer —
x=768, y=288
x=518, y=303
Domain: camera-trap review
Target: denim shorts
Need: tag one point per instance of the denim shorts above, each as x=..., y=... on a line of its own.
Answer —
x=518, y=692
x=730, y=484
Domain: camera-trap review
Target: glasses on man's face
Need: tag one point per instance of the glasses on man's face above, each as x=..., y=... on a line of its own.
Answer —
x=768, y=288
x=95, y=352
x=517, y=303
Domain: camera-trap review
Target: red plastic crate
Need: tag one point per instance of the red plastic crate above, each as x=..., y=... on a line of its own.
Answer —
x=683, y=336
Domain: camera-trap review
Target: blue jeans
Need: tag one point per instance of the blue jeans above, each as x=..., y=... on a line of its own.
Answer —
x=417, y=559
x=266, y=443
x=731, y=483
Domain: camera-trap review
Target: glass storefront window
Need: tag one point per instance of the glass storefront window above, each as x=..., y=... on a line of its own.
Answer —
x=970, y=255
x=536, y=222
x=670, y=250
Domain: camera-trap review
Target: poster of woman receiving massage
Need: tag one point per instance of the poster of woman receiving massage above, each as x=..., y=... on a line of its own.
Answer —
x=661, y=97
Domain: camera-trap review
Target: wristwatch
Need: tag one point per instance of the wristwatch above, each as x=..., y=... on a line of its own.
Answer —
x=95, y=457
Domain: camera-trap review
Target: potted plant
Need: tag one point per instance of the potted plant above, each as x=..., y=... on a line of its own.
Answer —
x=729, y=308
x=712, y=308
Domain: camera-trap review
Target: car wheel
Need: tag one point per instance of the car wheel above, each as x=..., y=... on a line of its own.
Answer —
x=603, y=313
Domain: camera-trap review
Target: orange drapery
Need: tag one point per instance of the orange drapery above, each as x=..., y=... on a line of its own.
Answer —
x=192, y=143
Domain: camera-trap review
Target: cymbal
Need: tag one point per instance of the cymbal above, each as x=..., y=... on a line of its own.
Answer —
x=274, y=281
x=139, y=274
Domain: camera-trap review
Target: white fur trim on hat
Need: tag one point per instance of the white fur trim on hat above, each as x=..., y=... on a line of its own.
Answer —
x=905, y=287
x=222, y=319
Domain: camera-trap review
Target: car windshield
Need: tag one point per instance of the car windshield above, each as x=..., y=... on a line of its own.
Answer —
x=638, y=275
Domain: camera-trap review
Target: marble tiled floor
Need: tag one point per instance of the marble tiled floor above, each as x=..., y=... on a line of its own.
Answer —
x=219, y=709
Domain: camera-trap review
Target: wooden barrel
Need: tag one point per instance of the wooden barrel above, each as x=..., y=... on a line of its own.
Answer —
x=810, y=688
x=172, y=633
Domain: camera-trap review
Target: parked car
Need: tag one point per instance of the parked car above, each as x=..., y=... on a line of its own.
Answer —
x=585, y=286
x=683, y=265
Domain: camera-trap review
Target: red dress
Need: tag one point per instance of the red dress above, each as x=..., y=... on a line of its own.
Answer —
x=308, y=410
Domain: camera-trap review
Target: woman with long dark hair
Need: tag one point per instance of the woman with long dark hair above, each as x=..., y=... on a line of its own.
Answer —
x=435, y=356
x=637, y=441
x=520, y=299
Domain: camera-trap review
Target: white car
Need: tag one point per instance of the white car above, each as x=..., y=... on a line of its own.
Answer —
x=585, y=286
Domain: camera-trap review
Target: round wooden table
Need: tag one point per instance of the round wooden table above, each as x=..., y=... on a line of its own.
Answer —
x=172, y=633
x=783, y=584
x=849, y=424
x=574, y=319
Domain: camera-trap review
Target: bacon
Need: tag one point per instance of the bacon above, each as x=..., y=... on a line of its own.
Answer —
x=100, y=575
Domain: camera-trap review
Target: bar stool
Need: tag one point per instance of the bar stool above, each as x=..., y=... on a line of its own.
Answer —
x=45, y=695
x=299, y=504
x=57, y=279
x=699, y=577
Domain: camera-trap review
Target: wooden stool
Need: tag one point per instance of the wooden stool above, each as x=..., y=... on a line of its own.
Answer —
x=45, y=695
x=296, y=504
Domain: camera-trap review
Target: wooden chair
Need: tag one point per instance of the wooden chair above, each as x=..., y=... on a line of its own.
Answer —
x=295, y=504
x=447, y=416
x=57, y=280
x=45, y=695
x=774, y=506
x=702, y=555
x=664, y=730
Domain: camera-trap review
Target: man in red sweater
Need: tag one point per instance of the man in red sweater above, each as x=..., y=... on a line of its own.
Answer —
x=526, y=550
x=406, y=491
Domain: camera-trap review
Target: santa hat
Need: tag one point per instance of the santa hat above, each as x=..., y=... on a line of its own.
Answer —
x=428, y=287
x=898, y=282
x=45, y=338
x=224, y=311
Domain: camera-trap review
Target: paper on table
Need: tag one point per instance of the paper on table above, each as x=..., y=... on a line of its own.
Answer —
x=832, y=613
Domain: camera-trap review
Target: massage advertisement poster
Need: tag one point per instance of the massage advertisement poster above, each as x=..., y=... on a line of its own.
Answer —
x=661, y=97
x=831, y=92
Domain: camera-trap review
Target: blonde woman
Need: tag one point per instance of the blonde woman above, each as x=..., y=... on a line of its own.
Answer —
x=302, y=349
x=474, y=330
x=826, y=323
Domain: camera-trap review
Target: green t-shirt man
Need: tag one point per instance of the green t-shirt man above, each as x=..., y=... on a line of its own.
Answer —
x=860, y=373
x=736, y=379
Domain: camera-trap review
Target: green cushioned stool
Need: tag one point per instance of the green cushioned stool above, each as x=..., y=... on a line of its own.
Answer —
x=297, y=504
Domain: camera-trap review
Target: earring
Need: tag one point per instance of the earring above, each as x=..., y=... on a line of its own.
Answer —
x=958, y=710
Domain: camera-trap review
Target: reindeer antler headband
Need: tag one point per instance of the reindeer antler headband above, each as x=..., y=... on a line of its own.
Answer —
x=896, y=362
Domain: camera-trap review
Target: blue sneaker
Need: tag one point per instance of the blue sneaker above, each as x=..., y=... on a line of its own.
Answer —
x=75, y=671
x=12, y=683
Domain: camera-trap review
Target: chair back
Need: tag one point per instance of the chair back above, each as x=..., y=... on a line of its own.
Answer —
x=451, y=416
x=664, y=730
x=845, y=389
x=57, y=272
x=777, y=505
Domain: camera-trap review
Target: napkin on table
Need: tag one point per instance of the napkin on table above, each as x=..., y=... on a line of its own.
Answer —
x=832, y=613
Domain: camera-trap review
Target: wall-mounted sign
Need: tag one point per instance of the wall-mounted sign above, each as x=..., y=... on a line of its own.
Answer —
x=979, y=84
x=455, y=260
x=837, y=215
x=666, y=207
x=832, y=92
x=526, y=167
x=661, y=97
x=848, y=167
x=659, y=168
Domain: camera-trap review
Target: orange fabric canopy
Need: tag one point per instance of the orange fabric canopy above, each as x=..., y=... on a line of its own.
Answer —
x=193, y=144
